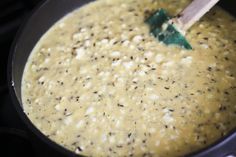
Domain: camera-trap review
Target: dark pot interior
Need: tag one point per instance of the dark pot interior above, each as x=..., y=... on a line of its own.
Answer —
x=45, y=16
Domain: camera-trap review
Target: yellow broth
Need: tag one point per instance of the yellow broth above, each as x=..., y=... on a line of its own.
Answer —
x=99, y=84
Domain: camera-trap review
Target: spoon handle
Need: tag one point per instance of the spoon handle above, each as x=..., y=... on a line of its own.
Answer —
x=194, y=12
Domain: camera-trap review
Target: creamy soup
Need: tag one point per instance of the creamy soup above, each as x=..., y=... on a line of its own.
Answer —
x=100, y=85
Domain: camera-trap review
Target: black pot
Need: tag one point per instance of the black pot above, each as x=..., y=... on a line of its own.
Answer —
x=41, y=20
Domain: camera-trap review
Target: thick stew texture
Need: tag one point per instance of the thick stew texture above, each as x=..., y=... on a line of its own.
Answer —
x=100, y=85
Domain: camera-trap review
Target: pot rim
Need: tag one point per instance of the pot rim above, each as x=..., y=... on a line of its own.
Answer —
x=10, y=80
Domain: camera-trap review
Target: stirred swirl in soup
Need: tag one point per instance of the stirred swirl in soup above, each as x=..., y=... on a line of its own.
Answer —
x=100, y=85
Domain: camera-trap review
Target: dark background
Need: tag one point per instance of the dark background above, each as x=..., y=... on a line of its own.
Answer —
x=12, y=14
x=14, y=140
x=14, y=137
